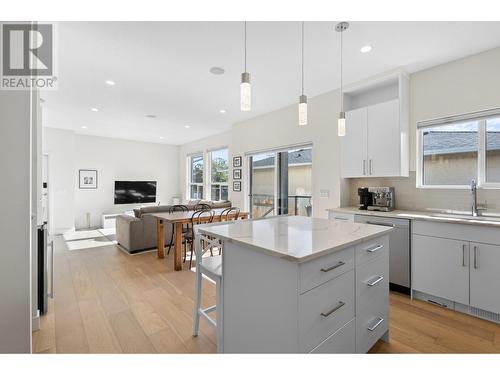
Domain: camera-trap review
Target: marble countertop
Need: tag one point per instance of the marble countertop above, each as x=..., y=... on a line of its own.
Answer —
x=295, y=238
x=443, y=217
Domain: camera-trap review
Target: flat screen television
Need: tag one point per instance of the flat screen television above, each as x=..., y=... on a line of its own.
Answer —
x=135, y=192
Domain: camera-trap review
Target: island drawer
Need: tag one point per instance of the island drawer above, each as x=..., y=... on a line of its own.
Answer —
x=371, y=249
x=341, y=342
x=372, y=276
x=321, y=270
x=372, y=315
x=324, y=310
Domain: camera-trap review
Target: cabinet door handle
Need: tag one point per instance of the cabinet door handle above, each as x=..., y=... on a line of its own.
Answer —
x=339, y=305
x=463, y=255
x=364, y=167
x=328, y=269
x=475, y=258
x=371, y=166
x=374, y=248
x=374, y=327
x=376, y=281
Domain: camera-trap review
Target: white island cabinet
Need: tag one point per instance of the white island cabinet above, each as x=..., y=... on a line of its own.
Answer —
x=294, y=284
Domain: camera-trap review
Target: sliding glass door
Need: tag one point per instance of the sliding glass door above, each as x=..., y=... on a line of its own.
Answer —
x=263, y=185
x=280, y=183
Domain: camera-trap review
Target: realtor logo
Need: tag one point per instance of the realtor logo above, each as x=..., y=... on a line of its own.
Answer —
x=27, y=56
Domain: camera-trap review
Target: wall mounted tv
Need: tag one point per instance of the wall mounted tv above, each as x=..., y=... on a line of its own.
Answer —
x=135, y=192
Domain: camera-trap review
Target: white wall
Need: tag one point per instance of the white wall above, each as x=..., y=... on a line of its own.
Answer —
x=15, y=223
x=114, y=159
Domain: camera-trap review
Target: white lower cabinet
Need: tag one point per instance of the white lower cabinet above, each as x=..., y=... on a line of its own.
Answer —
x=441, y=267
x=450, y=262
x=485, y=277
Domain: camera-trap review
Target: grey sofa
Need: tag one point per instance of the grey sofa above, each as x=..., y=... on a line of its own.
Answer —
x=138, y=233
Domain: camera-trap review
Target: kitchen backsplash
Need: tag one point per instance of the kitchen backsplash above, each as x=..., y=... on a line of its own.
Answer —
x=408, y=197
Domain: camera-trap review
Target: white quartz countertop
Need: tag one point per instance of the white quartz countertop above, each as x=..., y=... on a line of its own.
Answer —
x=426, y=216
x=296, y=238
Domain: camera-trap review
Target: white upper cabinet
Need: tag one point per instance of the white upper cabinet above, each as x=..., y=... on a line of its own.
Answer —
x=377, y=120
x=353, y=145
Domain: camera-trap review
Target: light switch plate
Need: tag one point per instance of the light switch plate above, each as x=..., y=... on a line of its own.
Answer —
x=324, y=193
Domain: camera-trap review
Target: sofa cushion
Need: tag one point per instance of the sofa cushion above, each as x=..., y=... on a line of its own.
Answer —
x=154, y=209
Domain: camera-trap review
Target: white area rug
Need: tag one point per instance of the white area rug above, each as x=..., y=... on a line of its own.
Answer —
x=88, y=239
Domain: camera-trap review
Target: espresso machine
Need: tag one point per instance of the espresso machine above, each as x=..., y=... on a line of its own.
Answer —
x=376, y=198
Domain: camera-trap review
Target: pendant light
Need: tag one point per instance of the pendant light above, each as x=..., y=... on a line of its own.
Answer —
x=245, y=86
x=302, y=97
x=341, y=27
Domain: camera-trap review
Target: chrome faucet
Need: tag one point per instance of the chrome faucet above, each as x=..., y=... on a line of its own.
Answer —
x=473, y=188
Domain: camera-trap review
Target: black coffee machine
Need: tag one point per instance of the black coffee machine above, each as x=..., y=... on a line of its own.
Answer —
x=365, y=198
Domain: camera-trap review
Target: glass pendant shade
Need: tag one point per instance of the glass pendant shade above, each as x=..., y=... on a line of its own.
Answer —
x=303, y=110
x=245, y=92
x=341, y=125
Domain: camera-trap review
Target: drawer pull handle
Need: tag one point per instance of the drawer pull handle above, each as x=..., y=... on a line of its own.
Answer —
x=339, y=264
x=340, y=304
x=376, y=281
x=374, y=327
x=375, y=248
x=381, y=224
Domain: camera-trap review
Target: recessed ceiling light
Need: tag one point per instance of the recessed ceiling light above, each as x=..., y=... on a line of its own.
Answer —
x=151, y=116
x=110, y=82
x=187, y=126
x=94, y=109
x=222, y=111
x=84, y=127
x=217, y=70
x=366, y=49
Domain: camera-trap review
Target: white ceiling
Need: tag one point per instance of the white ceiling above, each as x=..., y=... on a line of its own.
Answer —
x=162, y=68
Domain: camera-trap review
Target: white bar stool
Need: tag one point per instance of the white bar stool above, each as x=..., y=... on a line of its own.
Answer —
x=211, y=267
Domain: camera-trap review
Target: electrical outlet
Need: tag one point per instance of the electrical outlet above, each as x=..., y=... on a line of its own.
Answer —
x=324, y=193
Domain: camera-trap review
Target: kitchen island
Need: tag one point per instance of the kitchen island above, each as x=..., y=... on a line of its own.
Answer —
x=294, y=284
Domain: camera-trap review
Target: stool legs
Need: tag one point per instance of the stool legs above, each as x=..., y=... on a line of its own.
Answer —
x=197, y=301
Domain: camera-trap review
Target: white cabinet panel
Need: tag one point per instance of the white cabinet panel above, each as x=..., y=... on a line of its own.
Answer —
x=441, y=267
x=485, y=277
x=384, y=143
x=353, y=145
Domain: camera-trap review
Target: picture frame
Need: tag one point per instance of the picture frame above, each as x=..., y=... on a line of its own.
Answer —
x=236, y=185
x=87, y=179
x=237, y=161
x=236, y=174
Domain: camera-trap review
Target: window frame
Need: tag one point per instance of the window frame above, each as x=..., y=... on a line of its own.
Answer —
x=481, y=118
x=209, y=179
x=190, y=182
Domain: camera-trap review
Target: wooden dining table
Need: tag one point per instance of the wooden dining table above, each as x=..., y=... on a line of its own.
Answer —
x=178, y=219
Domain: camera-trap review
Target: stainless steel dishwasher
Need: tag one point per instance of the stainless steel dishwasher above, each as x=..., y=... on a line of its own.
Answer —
x=399, y=249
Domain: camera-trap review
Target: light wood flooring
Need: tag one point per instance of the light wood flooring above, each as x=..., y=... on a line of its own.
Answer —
x=109, y=302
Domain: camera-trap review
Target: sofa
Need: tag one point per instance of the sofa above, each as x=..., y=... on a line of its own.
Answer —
x=138, y=232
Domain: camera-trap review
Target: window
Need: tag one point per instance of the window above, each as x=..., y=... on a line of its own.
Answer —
x=453, y=152
x=219, y=174
x=196, y=176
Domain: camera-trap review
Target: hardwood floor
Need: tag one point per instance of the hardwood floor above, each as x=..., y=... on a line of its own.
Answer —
x=109, y=302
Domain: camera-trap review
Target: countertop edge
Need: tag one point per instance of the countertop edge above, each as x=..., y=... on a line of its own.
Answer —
x=306, y=258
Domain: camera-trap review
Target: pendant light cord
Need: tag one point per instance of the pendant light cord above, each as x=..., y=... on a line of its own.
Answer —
x=341, y=82
x=245, y=46
x=302, y=57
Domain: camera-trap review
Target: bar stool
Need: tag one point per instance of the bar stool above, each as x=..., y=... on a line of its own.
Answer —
x=211, y=267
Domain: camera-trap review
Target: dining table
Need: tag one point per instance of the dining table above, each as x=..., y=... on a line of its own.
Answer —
x=179, y=219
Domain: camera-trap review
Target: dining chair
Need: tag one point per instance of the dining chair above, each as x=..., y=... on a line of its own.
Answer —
x=226, y=213
x=172, y=209
x=210, y=267
x=196, y=218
